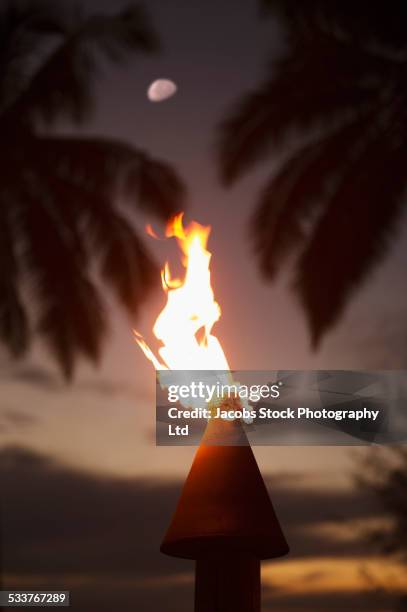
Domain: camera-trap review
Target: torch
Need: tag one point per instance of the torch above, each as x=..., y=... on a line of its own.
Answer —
x=226, y=522
x=224, y=519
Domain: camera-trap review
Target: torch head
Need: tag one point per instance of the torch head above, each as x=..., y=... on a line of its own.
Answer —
x=224, y=504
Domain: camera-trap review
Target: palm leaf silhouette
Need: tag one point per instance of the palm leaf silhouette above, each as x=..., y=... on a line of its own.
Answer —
x=333, y=104
x=66, y=203
x=353, y=234
x=295, y=196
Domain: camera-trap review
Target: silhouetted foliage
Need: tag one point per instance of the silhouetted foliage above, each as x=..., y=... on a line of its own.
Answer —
x=384, y=472
x=60, y=219
x=335, y=101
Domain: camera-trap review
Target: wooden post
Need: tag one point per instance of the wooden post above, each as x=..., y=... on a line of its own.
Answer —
x=227, y=583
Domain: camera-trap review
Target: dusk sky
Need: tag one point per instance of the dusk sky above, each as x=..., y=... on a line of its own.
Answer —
x=103, y=423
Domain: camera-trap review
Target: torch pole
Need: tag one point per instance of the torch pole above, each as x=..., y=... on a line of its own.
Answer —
x=228, y=583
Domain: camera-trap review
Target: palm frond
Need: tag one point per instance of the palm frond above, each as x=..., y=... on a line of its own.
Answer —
x=28, y=20
x=86, y=207
x=375, y=24
x=70, y=313
x=113, y=170
x=352, y=235
x=62, y=86
x=156, y=187
x=98, y=232
x=25, y=30
x=14, y=327
x=124, y=262
x=66, y=193
x=340, y=85
x=299, y=97
x=115, y=36
x=291, y=199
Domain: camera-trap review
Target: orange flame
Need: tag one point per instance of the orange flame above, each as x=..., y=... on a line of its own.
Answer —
x=184, y=326
x=150, y=231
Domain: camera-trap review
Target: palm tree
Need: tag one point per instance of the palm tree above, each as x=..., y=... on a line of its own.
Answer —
x=335, y=101
x=63, y=224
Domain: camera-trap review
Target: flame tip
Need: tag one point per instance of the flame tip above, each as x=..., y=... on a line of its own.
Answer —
x=190, y=307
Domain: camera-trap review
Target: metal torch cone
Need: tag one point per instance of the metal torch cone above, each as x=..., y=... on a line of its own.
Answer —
x=225, y=521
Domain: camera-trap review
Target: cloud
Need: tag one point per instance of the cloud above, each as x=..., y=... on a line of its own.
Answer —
x=33, y=375
x=101, y=535
x=79, y=522
x=381, y=344
x=18, y=418
x=333, y=601
x=304, y=506
x=47, y=380
x=12, y=420
x=319, y=502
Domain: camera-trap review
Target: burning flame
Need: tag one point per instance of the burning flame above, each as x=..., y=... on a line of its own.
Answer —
x=184, y=326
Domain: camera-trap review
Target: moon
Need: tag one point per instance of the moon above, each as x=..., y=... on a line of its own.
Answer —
x=161, y=89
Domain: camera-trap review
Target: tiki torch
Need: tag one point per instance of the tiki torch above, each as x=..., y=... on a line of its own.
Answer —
x=224, y=519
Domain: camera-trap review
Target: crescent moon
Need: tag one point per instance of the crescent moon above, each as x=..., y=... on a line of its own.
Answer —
x=161, y=89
